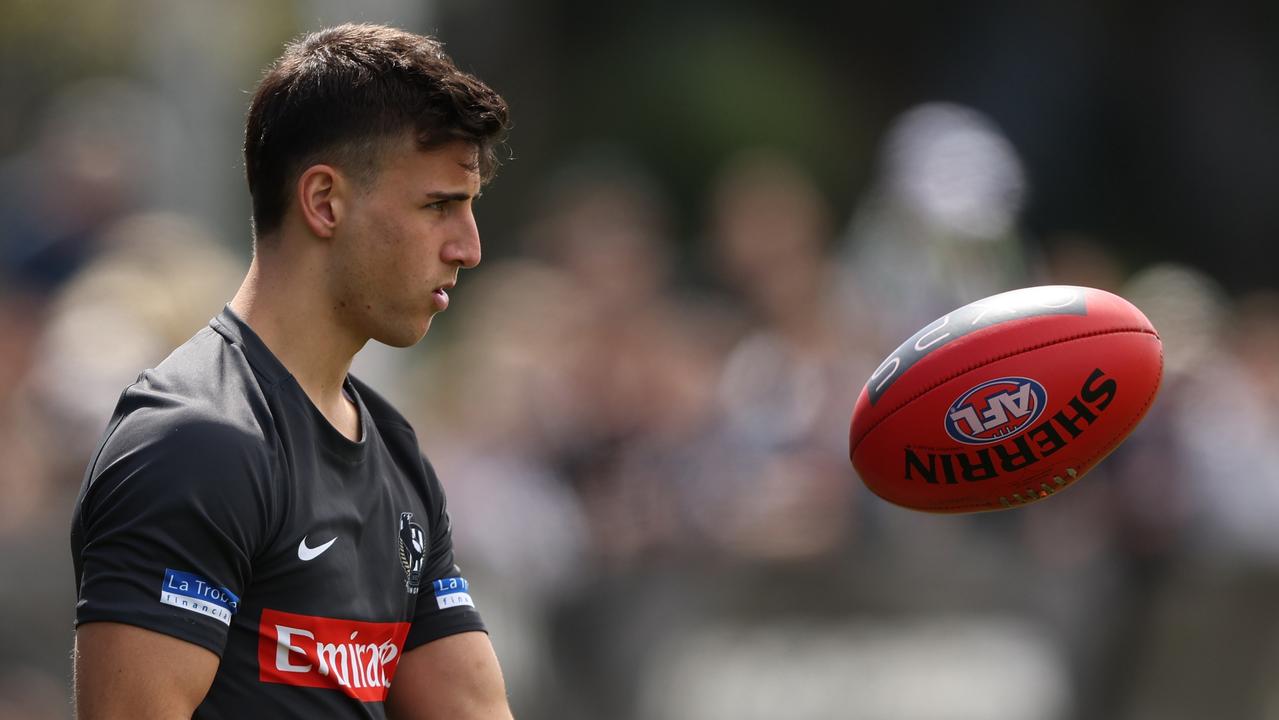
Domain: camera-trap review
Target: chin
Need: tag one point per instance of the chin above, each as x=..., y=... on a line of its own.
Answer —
x=405, y=335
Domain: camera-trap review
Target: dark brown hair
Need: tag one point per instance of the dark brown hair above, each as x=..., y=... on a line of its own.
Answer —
x=336, y=95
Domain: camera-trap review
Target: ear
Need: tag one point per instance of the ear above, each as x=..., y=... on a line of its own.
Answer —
x=321, y=199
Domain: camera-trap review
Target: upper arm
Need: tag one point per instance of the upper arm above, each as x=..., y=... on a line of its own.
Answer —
x=444, y=606
x=123, y=671
x=456, y=677
x=162, y=540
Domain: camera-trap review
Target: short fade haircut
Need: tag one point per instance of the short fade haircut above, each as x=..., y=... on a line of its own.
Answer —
x=336, y=95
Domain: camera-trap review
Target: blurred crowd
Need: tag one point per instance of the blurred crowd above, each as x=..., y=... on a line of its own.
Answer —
x=644, y=441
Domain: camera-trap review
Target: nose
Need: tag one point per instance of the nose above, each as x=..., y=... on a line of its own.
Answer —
x=463, y=247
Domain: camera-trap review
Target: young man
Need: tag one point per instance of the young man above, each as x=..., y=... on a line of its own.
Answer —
x=259, y=535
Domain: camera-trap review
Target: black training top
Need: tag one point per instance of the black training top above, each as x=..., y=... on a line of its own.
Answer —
x=225, y=510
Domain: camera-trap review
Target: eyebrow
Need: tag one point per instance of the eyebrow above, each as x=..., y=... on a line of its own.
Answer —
x=455, y=196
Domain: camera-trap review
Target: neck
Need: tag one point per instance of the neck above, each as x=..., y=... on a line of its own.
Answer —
x=285, y=301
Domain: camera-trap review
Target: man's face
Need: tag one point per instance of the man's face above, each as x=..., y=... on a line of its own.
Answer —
x=403, y=239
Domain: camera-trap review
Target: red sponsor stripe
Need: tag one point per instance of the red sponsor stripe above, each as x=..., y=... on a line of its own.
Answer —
x=355, y=657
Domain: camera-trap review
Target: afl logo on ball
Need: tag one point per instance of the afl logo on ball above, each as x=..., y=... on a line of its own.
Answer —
x=995, y=410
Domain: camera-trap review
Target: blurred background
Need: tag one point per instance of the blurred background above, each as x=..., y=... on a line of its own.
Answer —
x=714, y=220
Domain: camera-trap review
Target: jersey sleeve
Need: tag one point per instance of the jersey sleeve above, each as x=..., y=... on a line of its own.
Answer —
x=171, y=514
x=444, y=604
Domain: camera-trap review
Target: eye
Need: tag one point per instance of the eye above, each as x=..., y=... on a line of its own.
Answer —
x=438, y=206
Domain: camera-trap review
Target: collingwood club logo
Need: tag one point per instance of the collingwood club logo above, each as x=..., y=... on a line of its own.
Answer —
x=412, y=551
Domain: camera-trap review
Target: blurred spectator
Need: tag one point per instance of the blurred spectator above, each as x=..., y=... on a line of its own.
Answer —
x=158, y=279
x=86, y=169
x=939, y=227
x=489, y=413
x=27, y=481
x=775, y=483
x=639, y=359
x=1078, y=259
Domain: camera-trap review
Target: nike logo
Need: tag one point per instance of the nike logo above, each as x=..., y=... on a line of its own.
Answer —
x=308, y=553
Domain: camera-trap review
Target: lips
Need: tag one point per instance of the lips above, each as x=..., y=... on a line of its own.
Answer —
x=441, y=296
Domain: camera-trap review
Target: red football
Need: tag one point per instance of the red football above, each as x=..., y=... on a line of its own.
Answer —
x=1005, y=401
